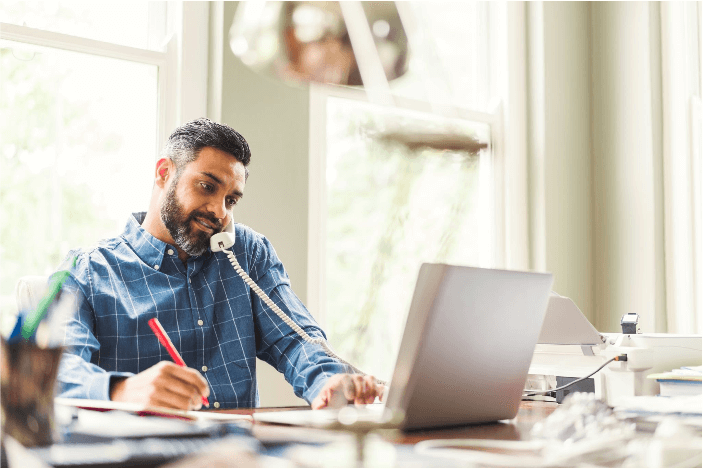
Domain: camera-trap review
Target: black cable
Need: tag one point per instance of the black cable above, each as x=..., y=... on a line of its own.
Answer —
x=530, y=393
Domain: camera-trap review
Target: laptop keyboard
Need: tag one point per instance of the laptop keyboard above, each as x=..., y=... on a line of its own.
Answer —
x=327, y=417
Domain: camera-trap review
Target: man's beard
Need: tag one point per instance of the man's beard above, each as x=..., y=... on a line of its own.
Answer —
x=192, y=241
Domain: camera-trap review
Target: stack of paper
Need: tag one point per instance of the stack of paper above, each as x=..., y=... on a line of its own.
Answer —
x=684, y=381
x=687, y=409
x=101, y=405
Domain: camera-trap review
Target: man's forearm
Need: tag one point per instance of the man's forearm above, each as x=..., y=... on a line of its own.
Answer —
x=79, y=378
x=307, y=368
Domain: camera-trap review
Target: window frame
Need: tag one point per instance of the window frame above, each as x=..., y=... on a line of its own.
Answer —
x=182, y=91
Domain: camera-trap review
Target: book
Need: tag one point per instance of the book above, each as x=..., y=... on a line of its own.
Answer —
x=679, y=382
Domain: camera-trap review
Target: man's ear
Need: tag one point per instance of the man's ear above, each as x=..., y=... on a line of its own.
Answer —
x=163, y=171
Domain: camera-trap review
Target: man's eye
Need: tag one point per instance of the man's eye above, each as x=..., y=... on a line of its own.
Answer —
x=232, y=202
x=207, y=187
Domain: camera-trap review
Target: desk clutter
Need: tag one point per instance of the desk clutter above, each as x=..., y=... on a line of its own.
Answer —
x=583, y=431
x=87, y=438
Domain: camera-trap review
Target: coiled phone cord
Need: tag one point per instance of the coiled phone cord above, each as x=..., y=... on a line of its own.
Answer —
x=283, y=316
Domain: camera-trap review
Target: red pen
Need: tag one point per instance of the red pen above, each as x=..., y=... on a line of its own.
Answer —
x=167, y=343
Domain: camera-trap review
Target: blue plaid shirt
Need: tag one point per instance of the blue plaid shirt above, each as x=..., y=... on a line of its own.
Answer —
x=214, y=320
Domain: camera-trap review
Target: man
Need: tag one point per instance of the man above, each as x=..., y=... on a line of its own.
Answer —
x=162, y=267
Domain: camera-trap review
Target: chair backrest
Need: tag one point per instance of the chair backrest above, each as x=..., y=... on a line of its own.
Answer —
x=29, y=290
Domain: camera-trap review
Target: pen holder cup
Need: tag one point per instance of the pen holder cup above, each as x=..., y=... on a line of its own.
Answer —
x=27, y=381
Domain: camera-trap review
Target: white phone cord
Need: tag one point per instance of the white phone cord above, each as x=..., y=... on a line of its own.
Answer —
x=303, y=334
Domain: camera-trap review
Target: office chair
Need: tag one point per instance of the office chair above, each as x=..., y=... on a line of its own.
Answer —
x=29, y=290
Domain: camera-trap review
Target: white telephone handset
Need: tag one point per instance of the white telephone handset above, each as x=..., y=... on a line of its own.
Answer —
x=226, y=239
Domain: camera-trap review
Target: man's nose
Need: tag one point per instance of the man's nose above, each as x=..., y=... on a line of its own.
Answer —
x=219, y=210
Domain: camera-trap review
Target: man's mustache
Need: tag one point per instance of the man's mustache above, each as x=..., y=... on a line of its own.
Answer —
x=218, y=227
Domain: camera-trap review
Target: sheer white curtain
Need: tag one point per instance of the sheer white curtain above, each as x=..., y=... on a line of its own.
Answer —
x=683, y=165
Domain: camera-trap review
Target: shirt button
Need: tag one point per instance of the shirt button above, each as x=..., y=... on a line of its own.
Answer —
x=189, y=280
x=216, y=405
x=156, y=266
x=204, y=368
x=170, y=251
x=200, y=322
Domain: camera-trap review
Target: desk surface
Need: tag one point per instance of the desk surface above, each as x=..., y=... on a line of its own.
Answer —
x=530, y=412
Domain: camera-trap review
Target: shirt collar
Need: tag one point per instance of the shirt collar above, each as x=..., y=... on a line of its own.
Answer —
x=148, y=248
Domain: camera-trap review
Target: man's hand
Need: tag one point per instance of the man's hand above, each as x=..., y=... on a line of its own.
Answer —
x=342, y=389
x=163, y=384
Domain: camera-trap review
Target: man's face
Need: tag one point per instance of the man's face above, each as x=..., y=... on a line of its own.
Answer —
x=199, y=201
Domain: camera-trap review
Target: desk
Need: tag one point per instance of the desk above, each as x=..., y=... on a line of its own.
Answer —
x=679, y=451
x=281, y=437
x=530, y=412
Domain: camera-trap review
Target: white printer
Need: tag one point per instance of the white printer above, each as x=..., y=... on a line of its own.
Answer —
x=569, y=347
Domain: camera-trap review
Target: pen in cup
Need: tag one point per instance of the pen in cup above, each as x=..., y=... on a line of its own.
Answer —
x=50, y=332
x=167, y=343
x=30, y=324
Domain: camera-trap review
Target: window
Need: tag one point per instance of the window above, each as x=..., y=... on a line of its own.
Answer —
x=393, y=187
x=87, y=98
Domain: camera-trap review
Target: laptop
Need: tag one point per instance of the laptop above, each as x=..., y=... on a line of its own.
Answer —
x=464, y=356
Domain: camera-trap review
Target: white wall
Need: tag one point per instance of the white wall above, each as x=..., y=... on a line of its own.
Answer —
x=560, y=147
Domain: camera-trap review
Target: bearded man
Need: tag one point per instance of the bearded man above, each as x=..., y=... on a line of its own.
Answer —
x=162, y=267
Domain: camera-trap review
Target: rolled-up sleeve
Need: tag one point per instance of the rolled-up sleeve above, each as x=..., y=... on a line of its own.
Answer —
x=305, y=366
x=78, y=377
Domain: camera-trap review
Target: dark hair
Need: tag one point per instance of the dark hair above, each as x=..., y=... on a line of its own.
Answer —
x=186, y=142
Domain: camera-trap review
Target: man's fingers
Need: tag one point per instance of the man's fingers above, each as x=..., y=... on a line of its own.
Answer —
x=359, y=386
x=348, y=387
x=172, y=401
x=172, y=385
x=174, y=393
x=189, y=376
x=361, y=389
x=318, y=402
x=369, y=389
x=323, y=399
x=359, y=382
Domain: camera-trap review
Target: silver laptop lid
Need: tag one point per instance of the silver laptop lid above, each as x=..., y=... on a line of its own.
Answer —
x=467, y=345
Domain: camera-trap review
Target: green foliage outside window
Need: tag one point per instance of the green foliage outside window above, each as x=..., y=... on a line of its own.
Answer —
x=390, y=208
x=63, y=160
